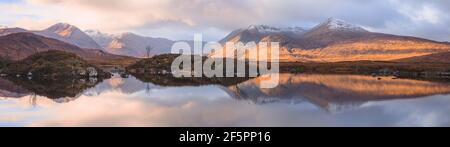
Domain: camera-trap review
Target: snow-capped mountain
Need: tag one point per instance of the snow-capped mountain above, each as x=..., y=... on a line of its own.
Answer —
x=339, y=25
x=69, y=34
x=131, y=44
x=268, y=29
x=330, y=32
x=337, y=40
x=257, y=32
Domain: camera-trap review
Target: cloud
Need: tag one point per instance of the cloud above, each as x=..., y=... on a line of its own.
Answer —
x=217, y=18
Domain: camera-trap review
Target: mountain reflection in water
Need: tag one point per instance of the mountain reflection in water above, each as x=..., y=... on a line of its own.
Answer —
x=299, y=100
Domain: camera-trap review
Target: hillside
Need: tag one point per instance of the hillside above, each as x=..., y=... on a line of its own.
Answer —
x=432, y=58
x=54, y=64
x=6, y=31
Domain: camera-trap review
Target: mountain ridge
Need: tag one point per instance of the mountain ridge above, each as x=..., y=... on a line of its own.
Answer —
x=6, y=30
x=257, y=32
x=330, y=41
x=335, y=40
x=70, y=34
x=131, y=44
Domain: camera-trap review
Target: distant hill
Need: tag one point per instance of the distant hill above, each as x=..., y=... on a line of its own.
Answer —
x=21, y=45
x=6, y=31
x=60, y=31
x=131, y=44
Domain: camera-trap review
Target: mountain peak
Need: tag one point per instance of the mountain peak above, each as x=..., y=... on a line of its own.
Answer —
x=3, y=27
x=61, y=25
x=270, y=29
x=340, y=25
x=63, y=29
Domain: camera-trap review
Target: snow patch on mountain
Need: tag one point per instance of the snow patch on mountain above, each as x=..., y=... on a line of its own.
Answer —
x=270, y=29
x=341, y=25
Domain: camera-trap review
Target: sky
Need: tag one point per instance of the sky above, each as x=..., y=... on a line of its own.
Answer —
x=181, y=19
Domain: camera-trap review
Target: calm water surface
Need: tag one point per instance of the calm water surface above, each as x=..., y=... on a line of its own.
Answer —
x=299, y=100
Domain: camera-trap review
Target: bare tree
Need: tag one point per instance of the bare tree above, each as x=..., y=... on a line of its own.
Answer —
x=149, y=48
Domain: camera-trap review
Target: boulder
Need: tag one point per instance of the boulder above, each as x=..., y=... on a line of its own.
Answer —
x=92, y=72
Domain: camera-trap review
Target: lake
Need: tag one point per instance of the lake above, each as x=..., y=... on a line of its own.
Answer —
x=299, y=100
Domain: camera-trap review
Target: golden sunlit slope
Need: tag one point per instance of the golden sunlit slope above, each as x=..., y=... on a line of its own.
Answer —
x=335, y=40
x=376, y=49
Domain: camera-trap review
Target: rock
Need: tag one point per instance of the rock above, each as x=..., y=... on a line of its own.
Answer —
x=92, y=72
x=81, y=81
x=81, y=72
x=92, y=81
